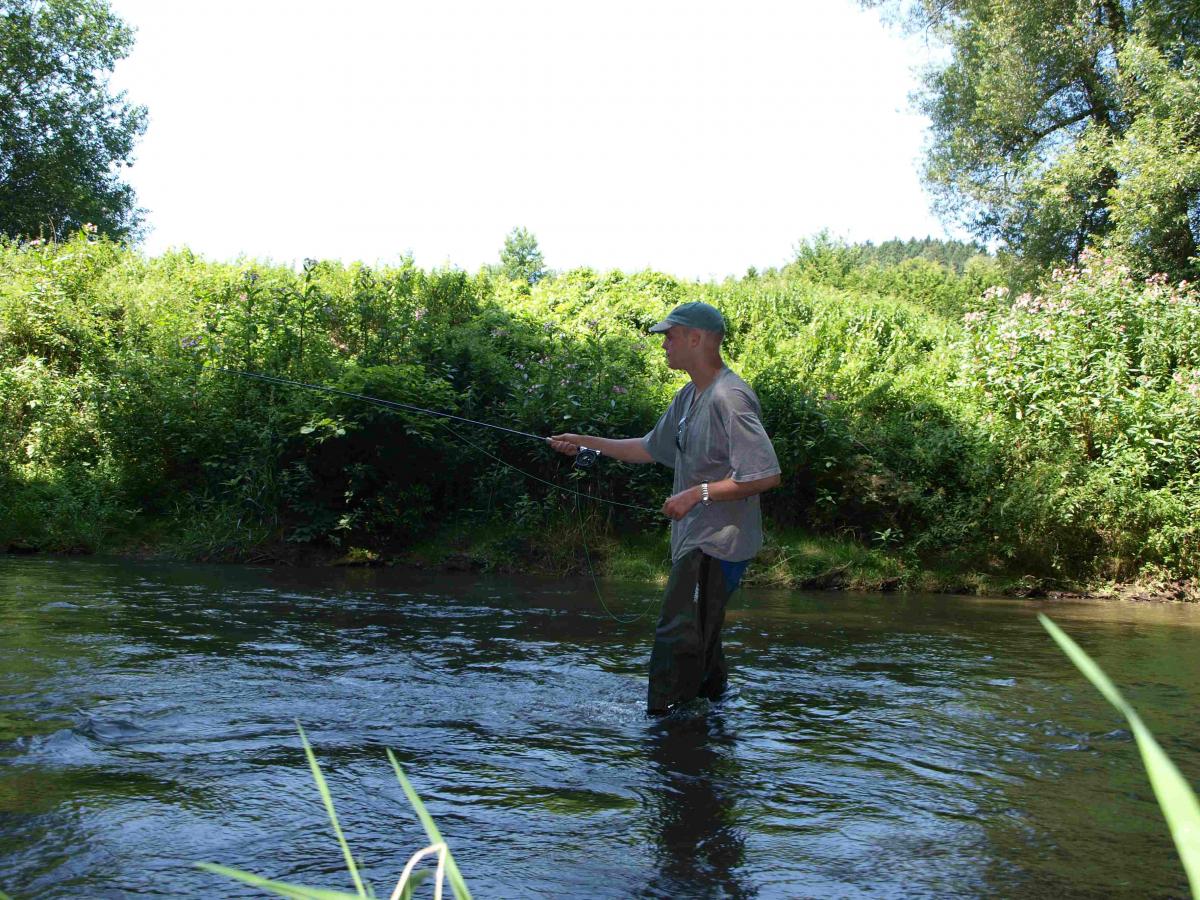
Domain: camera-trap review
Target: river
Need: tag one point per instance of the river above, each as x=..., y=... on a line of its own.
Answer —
x=871, y=745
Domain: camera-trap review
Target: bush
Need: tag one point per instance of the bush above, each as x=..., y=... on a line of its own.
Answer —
x=1094, y=385
x=1053, y=434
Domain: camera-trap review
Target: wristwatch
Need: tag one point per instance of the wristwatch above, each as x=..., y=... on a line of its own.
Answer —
x=704, y=498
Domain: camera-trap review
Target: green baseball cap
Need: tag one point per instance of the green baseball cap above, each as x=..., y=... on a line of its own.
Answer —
x=696, y=314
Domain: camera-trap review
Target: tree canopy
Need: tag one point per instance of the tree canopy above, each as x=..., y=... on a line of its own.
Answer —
x=1066, y=124
x=521, y=259
x=64, y=135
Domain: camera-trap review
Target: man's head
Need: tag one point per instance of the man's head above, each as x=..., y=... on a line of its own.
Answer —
x=692, y=334
x=697, y=314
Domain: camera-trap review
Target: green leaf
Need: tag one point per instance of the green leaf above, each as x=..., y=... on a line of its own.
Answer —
x=1176, y=799
x=327, y=799
x=282, y=888
x=457, y=884
x=415, y=880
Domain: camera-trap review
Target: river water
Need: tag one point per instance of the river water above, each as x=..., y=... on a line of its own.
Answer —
x=883, y=746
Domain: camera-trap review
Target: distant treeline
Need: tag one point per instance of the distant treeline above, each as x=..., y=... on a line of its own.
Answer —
x=917, y=407
x=953, y=255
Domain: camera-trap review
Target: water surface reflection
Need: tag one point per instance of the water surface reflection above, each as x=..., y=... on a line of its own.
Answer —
x=870, y=745
x=700, y=844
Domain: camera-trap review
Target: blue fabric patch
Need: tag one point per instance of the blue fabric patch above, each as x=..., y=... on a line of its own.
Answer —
x=733, y=572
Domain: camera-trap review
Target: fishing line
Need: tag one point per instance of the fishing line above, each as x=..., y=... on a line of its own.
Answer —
x=623, y=620
x=586, y=458
x=555, y=485
x=392, y=404
x=408, y=407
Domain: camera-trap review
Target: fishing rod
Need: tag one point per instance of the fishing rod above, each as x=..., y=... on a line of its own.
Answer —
x=584, y=459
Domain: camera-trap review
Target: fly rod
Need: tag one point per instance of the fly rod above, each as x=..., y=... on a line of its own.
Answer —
x=585, y=459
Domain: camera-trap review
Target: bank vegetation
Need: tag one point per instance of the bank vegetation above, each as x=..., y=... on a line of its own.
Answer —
x=935, y=431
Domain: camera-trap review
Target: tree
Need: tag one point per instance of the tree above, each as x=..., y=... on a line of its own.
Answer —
x=63, y=133
x=521, y=259
x=1064, y=124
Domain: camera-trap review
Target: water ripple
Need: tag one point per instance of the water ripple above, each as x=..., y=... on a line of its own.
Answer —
x=888, y=746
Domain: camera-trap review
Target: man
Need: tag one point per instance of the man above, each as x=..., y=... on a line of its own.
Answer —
x=712, y=436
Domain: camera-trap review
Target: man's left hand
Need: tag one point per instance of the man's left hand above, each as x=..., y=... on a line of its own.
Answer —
x=679, y=505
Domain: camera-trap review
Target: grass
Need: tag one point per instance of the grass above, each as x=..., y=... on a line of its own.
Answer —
x=447, y=868
x=1176, y=799
x=61, y=513
x=644, y=558
x=796, y=558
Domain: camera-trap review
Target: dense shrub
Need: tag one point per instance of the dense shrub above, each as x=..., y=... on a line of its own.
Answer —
x=1052, y=434
x=1093, y=385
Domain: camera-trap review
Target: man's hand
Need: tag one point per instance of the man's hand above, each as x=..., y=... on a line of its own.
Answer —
x=681, y=504
x=566, y=443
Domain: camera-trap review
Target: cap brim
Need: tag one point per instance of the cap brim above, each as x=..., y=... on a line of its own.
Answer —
x=664, y=325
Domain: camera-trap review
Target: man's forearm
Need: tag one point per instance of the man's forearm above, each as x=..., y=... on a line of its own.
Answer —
x=679, y=505
x=630, y=450
x=728, y=489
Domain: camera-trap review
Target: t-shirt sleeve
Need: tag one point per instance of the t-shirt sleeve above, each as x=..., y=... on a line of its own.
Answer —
x=660, y=442
x=751, y=453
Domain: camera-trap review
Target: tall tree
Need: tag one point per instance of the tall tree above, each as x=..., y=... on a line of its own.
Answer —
x=521, y=259
x=1066, y=123
x=64, y=135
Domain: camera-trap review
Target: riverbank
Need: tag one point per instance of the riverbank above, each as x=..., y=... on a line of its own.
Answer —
x=792, y=560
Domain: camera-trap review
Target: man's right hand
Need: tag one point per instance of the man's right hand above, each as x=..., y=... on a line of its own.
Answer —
x=566, y=443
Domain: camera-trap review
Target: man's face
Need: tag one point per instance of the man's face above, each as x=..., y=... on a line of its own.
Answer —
x=676, y=343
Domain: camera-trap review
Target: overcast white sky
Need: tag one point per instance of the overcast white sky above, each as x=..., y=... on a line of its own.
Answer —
x=697, y=138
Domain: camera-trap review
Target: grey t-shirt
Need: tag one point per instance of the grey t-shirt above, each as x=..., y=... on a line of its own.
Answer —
x=721, y=436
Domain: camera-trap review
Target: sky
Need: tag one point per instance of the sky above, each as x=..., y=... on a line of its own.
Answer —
x=696, y=138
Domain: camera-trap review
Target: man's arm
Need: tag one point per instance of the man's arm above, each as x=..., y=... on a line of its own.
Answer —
x=724, y=490
x=630, y=450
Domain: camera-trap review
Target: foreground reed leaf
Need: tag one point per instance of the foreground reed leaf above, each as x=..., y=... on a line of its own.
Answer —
x=282, y=888
x=300, y=892
x=457, y=883
x=327, y=799
x=1176, y=798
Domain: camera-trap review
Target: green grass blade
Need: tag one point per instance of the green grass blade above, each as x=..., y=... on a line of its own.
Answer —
x=1176, y=798
x=415, y=880
x=282, y=888
x=327, y=799
x=457, y=883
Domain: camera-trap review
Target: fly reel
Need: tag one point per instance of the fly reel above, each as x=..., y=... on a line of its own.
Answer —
x=586, y=458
